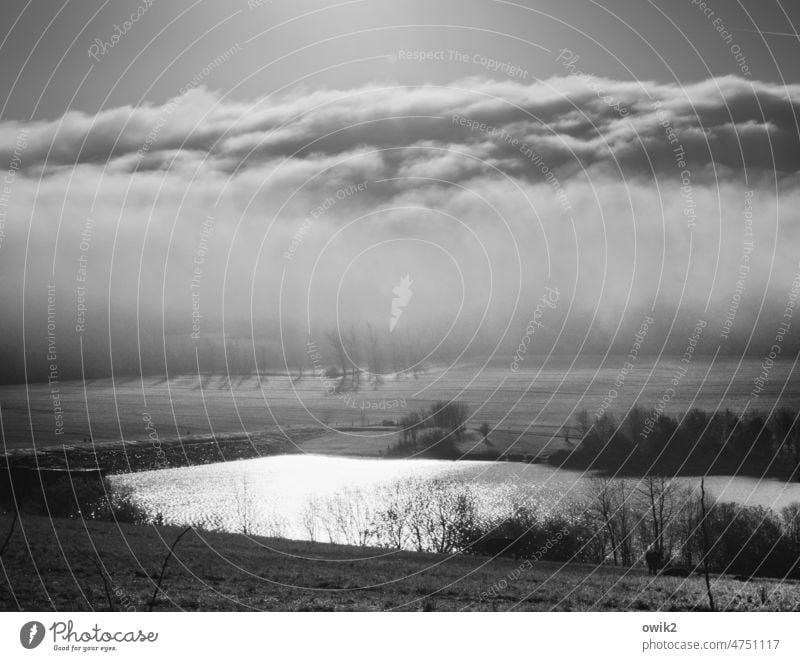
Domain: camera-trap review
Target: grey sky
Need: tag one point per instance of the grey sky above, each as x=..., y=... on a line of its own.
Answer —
x=318, y=43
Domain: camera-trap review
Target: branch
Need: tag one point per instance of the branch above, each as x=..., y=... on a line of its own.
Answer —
x=102, y=573
x=10, y=531
x=164, y=567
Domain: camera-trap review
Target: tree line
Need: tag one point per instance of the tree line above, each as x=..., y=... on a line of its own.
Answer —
x=616, y=522
x=698, y=443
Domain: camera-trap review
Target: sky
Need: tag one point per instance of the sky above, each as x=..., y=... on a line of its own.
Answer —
x=243, y=167
x=343, y=44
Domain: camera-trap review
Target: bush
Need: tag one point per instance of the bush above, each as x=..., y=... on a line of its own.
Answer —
x=748, y=540
x=437, y=442
x=71, y=498
x=124, y=509
x=449, y=415
x=525, y=536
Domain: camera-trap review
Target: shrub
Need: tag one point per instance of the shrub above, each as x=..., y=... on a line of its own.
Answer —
x=124, y=509
x=449, y=415
x=748, y=540
x=437, y=442
x=72, y=497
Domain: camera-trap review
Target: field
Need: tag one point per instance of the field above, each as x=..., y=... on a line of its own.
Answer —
x=528, y=410
x=216, y=571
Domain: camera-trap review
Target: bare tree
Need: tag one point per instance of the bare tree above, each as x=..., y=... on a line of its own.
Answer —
x=706, y=547
x=446, y=510
x=349, y=518
x=337, y=345
x=415, y=353
x=351, y=341
x=164, y=568
x=602, y=506
x=584, y=422
x=790, y=522
x=246, y=509
x=612, y=507
x=311, y=518
x=687, y=528
x=399, y=355
x=660, y=497
x=393, y=519
x=626, y=517
x=272, y=524
x=374, y=355
x=106, y=588
x=261, y=364
x=411, y=424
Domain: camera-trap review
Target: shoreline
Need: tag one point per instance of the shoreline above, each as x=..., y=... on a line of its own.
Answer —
x=119, y=457
x=136, y=456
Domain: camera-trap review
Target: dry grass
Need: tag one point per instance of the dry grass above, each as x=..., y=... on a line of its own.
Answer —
x=50, y=565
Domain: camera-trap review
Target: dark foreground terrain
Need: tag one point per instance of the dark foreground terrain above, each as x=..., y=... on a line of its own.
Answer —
x=69, y=564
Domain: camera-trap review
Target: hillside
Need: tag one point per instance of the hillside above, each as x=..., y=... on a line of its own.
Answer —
x=218, y=571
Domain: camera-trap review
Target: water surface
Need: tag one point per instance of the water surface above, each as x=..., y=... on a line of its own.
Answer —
x=274, y=492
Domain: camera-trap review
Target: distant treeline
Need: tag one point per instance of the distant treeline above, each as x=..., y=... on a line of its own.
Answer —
x=646, y=442
x=356, y=355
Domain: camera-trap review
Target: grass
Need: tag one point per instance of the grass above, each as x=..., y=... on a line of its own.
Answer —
x=532, y=402
x=376, y=442
x=50, y=565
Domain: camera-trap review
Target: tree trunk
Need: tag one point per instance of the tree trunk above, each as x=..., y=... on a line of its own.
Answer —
x=705, y=544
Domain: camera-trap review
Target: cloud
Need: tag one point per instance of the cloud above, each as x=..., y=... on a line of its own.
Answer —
x=729, y=121
x=540, y=184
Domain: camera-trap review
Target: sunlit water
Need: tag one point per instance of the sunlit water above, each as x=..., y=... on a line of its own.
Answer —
x=271, y=494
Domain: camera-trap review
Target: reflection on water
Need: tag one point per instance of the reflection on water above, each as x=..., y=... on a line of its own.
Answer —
x=272, y=495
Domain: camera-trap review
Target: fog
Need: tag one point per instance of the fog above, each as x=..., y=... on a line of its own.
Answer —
x=207, y=222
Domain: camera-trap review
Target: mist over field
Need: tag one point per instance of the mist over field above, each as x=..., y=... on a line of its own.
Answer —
x=277, y=220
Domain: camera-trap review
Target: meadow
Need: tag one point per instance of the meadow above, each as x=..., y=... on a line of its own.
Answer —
x=530, y=411
x=69, y=564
